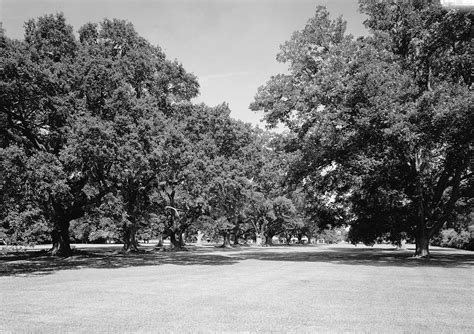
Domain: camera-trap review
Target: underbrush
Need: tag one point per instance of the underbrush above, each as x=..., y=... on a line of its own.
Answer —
x=454, y=239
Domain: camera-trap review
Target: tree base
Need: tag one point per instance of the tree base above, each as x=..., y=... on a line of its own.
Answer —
x=224, y=246
x=422, y=256
x=60, y=251
x=131, y=251
x=171, y=249
x=422, y=248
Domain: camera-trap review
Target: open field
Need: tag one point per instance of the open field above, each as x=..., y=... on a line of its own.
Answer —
x=276, y=289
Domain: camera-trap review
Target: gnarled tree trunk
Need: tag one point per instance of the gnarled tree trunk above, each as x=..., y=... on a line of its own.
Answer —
x=269, y=239
x=175, y=242
x=259, y=239
x=236, y=239
x=236, y=236
x=226, y=243
x=300, y=238
x=181, y=238
x=60, y=234
x=130, y=243
x=159, y=245
x=422, y=244
x=60, y=239
x=199, y=238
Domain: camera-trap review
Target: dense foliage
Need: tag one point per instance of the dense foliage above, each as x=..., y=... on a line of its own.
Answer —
x=382, y=125
x=100, y=140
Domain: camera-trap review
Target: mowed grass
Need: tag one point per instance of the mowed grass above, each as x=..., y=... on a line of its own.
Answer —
x=308, y=289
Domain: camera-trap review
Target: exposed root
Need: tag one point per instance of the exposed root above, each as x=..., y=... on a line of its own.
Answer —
x=133, y=250
x=425, y=257
x=57, y=253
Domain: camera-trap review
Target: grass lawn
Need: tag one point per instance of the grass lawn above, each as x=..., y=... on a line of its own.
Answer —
x=277, y=289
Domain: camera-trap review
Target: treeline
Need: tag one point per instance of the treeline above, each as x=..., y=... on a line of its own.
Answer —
x=100, y=131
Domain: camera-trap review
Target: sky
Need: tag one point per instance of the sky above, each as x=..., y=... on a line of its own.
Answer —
x=230, y=45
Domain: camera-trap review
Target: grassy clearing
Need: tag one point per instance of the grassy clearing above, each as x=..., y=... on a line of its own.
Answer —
x=278, y=289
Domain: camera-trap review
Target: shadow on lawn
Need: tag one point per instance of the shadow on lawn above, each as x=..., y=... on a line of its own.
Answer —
x=40, y=263
x=369, y=257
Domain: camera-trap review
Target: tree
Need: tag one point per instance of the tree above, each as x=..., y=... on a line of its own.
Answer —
x=227, y=201
x=193, y=158
x=22, y=218
x=305, y=222
x=38, y=107
x=89, y=118
x=266, y=208
x=282, y=220
x=231, y=180
x=384, y=121
x=131, y=87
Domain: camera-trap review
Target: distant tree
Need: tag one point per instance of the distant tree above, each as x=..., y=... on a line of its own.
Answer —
x=268, y=210
x=332, y=235
x=80, y=230
x=228, y=200
x=200, y=153
x=283, y=218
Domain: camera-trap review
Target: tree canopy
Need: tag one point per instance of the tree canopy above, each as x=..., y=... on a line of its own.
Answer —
x=100, y=138
x=100, y=132
x=383, y=124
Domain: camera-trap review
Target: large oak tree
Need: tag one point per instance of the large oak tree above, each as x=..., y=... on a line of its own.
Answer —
x=383, y=123
x=83, y=122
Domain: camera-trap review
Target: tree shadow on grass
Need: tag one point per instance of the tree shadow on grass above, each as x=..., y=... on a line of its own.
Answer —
x=40, y=263
x=368, y=256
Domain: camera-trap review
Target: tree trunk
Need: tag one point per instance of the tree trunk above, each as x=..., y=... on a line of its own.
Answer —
x=60, y=240
x=236, y=234
x=401, y=244
x=226, y=243
x=182, y=237
x=260, y=239
x=422, y=237
x=160, y=241
x=269, y=240
x=236, y=239
x=422, y=245
x=130, y=243
x=175, y=243
x=199, y=238
x=300, y=237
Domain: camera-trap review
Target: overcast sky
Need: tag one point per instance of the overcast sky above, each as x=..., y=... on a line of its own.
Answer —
x=230, y=45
